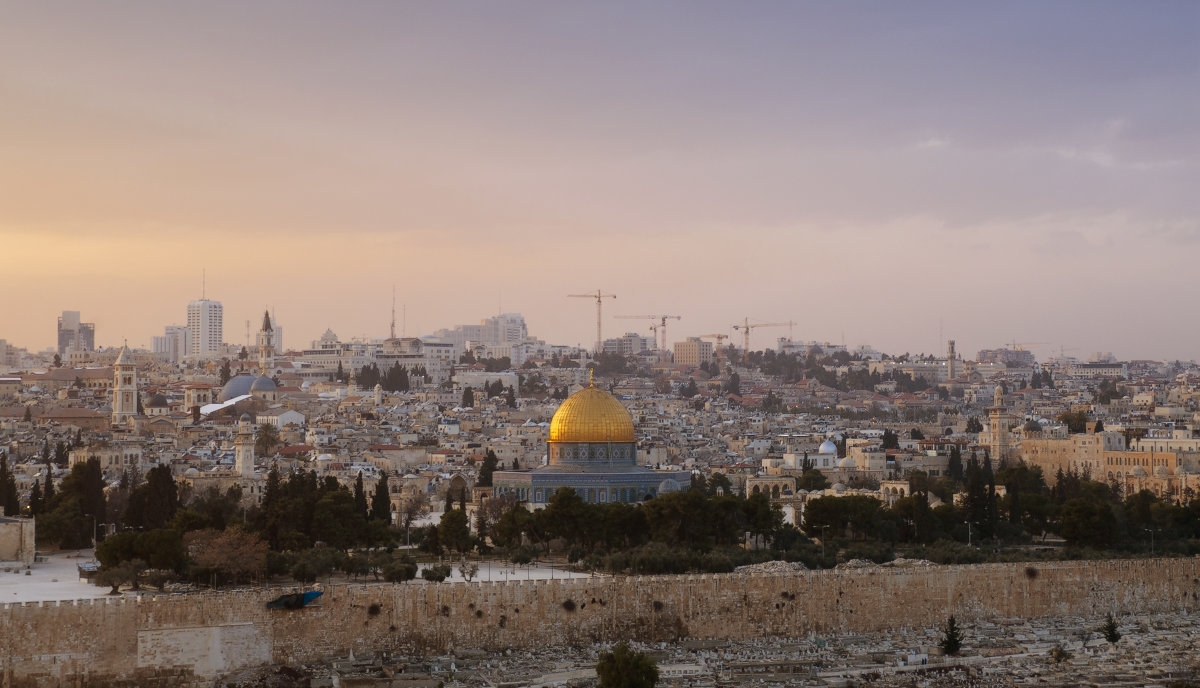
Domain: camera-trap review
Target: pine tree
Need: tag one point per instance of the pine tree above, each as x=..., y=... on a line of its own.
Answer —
x=468, y=398
x=1110, y=629
x=951, y=638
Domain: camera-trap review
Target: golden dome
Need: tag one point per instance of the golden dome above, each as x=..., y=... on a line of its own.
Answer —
x=592, y=415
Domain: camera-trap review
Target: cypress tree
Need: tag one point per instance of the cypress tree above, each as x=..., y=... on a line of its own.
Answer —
x=381, y=501
x=360, y=496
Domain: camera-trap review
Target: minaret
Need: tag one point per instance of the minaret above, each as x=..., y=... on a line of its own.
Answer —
x=244, y=448
x=378, y=394
x=951, y=373
x=124, y=395
x=998, y=421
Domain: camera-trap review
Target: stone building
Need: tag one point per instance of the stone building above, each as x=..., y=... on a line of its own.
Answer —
x=17, y=540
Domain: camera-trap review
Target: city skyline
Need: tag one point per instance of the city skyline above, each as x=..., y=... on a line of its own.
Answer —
x=892, y=176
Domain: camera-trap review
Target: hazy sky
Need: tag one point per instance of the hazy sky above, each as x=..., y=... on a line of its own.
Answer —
x=868, y=170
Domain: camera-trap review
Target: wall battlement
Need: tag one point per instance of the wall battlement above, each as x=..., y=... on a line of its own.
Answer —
x=203, y=635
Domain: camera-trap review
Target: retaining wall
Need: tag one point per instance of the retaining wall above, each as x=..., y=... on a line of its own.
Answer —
x=172, y=640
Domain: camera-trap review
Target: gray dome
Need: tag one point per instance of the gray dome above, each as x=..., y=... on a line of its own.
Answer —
x=156, y=401
x=827, y=447
x=263, y=384
x=238, y=385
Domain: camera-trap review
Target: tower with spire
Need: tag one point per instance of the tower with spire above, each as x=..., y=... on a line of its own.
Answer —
x=124, y=395
x=266, y=343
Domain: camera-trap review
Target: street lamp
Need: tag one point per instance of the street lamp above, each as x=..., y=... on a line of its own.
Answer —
x=968, y=532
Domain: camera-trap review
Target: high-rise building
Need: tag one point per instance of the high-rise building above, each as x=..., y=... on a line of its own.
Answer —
x=205, y=322
x=73, y=334
x=174, y=345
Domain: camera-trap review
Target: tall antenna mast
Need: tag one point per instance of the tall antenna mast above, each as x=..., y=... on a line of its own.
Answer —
x=393, y=311
x=203, y=282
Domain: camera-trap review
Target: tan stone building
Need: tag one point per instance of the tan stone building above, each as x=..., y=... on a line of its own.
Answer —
x=693, y=352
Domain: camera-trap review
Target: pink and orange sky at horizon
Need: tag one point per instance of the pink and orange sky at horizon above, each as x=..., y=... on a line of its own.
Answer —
x=880, y=173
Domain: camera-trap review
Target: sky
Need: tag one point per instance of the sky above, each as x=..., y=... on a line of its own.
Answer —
x=890, y=174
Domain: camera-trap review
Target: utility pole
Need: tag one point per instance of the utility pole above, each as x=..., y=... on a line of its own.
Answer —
x=599, y=296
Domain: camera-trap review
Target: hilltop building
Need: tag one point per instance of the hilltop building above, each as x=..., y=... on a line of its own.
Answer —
x=205, y=324
x=75, y=335
x=593, y=450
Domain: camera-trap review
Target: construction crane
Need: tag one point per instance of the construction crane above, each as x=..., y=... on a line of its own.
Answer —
x=1020, y=346
x=746, y=326
x=720, y=338
x=660, y=328
x=599, y=296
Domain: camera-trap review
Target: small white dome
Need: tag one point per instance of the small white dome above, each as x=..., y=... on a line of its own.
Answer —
x=846, y=463
x=827, y=447
x=1138, y=472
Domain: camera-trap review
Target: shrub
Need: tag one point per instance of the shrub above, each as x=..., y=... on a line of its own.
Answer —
x=436, y=574
x=401, y=570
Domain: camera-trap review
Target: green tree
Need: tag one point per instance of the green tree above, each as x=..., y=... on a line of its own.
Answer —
x=267, y=440
x=454, y=532
x=490, y=462
x=468, y=398
x=10, y=500
x=1111, y=631
x=812, y=479
x=153, y=503
x=690, y=389
x=436, y=574
x=916, y=434
x=973, y=424
x=622, y=667
x=381, y=500
x=1089, y=521
x=951, y=638
x=890, y=440
x=1076, y=421
x=734, y=385
x=226, y=371
x=360, y=498
x=336, y=519
x=401, y=570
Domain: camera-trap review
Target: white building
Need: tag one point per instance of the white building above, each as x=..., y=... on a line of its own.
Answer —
x=175, y=343
x=205, y=322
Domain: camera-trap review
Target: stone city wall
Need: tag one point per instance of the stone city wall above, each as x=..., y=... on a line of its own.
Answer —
x=180, y=639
